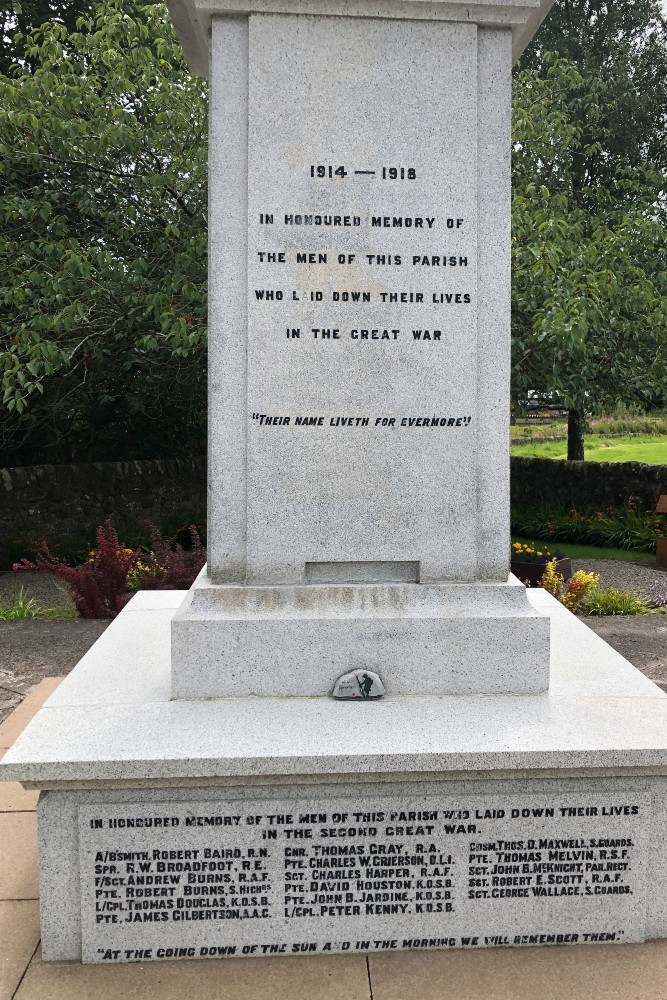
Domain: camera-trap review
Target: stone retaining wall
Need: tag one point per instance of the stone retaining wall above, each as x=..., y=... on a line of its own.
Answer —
x=549, y=481
x=67, y=502
x=64, y=503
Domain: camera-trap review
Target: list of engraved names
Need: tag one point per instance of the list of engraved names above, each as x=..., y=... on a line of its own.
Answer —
x=213, y=878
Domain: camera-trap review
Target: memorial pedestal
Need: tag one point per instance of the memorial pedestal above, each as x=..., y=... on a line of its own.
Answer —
x=249, y=826
x=201, y=792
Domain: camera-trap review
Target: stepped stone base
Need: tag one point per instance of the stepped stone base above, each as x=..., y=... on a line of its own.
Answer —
x=482, y=638
x=285, y=825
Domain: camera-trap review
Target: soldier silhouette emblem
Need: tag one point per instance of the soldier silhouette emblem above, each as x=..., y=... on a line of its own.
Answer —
x=358, y=685
x=365, y=682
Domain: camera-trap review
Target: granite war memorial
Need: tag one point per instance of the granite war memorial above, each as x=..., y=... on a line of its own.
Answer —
x=356, y=732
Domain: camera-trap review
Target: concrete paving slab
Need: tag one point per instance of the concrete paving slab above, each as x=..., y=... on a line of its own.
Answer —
x=12, y=727
x=9, y=700
x=337, y=978
x=14, y=798
x=596, y=972
x=19, y=937
x=18, y=856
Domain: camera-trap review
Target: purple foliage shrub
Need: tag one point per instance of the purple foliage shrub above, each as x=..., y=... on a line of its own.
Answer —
x=102, y=586
x=168, y=566
x=99, y=586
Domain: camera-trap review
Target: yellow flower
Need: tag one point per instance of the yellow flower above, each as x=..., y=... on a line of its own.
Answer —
x=579, y=588
x=552, y=581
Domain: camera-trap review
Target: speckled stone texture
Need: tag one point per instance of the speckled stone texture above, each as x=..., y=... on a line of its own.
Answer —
x=232, y=875
x=596, y=891
x=296, y=641
x=193, y=20
x=399, y=474
x=378, y=492
x=285, y=496
x=110, y=735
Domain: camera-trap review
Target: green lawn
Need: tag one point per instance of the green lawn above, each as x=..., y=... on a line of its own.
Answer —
x=648, y=448
x=588, y=551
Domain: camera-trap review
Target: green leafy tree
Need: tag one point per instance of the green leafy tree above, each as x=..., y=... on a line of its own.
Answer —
x=588, y=221
x=103, y=215
x=22, y=18
x=589, y=289
x=622, y=47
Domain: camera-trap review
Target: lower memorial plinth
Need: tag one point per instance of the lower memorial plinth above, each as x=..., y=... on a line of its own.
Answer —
x=252, y=826
x=296, y=641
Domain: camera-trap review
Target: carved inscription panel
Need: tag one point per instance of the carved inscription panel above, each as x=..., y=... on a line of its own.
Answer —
x=215, y=878
x=362, y=294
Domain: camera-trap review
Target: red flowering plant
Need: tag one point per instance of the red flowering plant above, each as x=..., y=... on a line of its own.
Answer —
x=99, y=585
x=102, y=586
x=168, y=566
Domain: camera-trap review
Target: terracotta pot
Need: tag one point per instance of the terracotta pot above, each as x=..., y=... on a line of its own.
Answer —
x=531, y=573
x=661, y=552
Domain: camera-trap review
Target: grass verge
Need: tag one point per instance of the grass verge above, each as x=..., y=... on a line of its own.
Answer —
x=588, y=551
x=648, y=448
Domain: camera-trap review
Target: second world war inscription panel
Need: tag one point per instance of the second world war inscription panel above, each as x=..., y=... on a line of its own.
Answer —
x=275, y=877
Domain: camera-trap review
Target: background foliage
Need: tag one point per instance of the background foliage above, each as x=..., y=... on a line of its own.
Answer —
x=103, y=218
x=589, y=291
x=103, y=225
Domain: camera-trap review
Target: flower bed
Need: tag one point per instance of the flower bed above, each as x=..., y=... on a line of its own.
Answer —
x=528, y=563
x=625, y=528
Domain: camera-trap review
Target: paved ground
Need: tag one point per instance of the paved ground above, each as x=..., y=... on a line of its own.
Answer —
x=32, y=650
x=614, y=972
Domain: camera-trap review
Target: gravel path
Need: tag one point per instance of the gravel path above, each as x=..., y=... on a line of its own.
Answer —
x=48, y=592
x=44, y=589
x=33, y=650
x=622, y=575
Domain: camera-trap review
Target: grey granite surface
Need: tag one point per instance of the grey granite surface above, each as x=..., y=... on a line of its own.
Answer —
x=193, y=20
x=112, y=719
x=375, y=819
